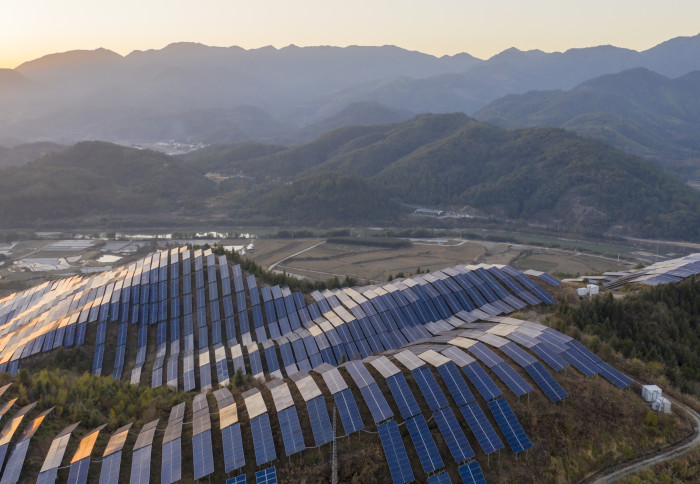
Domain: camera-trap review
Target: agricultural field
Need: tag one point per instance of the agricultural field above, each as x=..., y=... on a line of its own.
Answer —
x=316, y=260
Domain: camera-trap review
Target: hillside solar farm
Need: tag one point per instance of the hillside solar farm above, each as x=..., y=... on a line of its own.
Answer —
x=430, y=366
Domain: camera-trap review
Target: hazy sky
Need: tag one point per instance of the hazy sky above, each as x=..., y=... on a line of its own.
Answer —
x=32, y=28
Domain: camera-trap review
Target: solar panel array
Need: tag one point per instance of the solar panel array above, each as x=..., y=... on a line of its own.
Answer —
x=204, y=318
x=80, y=464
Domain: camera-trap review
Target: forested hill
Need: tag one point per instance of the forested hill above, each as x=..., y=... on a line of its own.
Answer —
x=637, y=110
x=544, y=175
x=361, y=175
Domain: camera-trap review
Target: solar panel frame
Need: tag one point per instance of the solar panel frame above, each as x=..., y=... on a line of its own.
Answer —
x=429, y=387
x=455, y=384
x=483, y=383
x=404, y=398
x=320, y=422
x=232, y=442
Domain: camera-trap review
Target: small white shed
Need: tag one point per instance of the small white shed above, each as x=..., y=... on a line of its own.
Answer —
x=661, y=404
x=592, y=289
x=582, y=291
x=650, y=393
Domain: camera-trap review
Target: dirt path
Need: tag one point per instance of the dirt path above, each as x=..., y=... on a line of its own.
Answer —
x=294, y=255
x=619, y=471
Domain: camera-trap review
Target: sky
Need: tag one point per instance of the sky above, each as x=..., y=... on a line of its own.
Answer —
x=32, y=28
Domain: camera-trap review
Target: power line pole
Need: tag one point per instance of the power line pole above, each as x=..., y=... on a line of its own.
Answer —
x=334, y=477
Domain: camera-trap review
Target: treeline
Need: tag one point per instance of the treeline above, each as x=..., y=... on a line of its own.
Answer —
x=659, y=325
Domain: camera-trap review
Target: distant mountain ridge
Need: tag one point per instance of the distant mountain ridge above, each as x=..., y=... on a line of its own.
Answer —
x=636, y=110
x=359, y=175
x=101, y=95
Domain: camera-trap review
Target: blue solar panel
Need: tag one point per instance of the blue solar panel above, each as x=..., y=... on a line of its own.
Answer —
x=202, y=454
x=429, y=387
x=485, y=355
x=97, y=361
x=425, y=445
x=291, y=430
x=512, y=379
x=171, y=465
x=49, y=476
x=579, y=361
x=349, y=414
x=15, y=463
x=509, y=425
x=549, y=356
x=483, y=383
x=546, y=382
x=517, y=354
x=141, y=466
x=262, y=439
x=110, y=468
x=395, y=453
x=471, y=473
x=455, y=384
x=320, y=422
x=442, y=478
x=232, y=443
x=613, y=376
x=592, y=357
x=376, y=402
x=481, y=428
x=454, y=436
x=266, y=476
x=237, y=480
x=403, y=396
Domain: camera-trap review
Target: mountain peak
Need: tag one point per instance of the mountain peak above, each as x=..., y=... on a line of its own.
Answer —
x=71, y=59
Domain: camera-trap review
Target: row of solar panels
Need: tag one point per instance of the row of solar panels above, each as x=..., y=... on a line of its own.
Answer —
x=141, y=294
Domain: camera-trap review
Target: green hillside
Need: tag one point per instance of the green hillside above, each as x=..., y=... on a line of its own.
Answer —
x=96, y=178
x=637, y=110
x=362, y=175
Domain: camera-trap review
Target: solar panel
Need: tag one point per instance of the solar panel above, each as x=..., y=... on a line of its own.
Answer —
x=613, y=376
x=110, y=468
x=517, y=354
x=455, y=384
x=549, y=356
x=266, y=476
x=483, y=383
x=349, y=414
x=471, y=473
x=408, y=407
x=241, y=479
x=441, y=478
x=232, y=443
x=481, y=428
x=16, y=461
x=395, y=453
x=262, y=439
x=291, y=430
x=429, y=387
x=202, y=453
x=579, y=361
x=454, y=436
x=141, y=466
x=546, y=382
x=320, y=422
x=512, y=379
x=425, y=445
x=509, y=425
x=171, y=465
x=377, y=404
x=334, y=380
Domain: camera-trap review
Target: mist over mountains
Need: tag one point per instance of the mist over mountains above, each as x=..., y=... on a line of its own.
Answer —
x=194, y=93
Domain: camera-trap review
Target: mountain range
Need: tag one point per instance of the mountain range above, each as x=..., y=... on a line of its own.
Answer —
x=373, y=174
x=636, y=110
x=195, y=93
